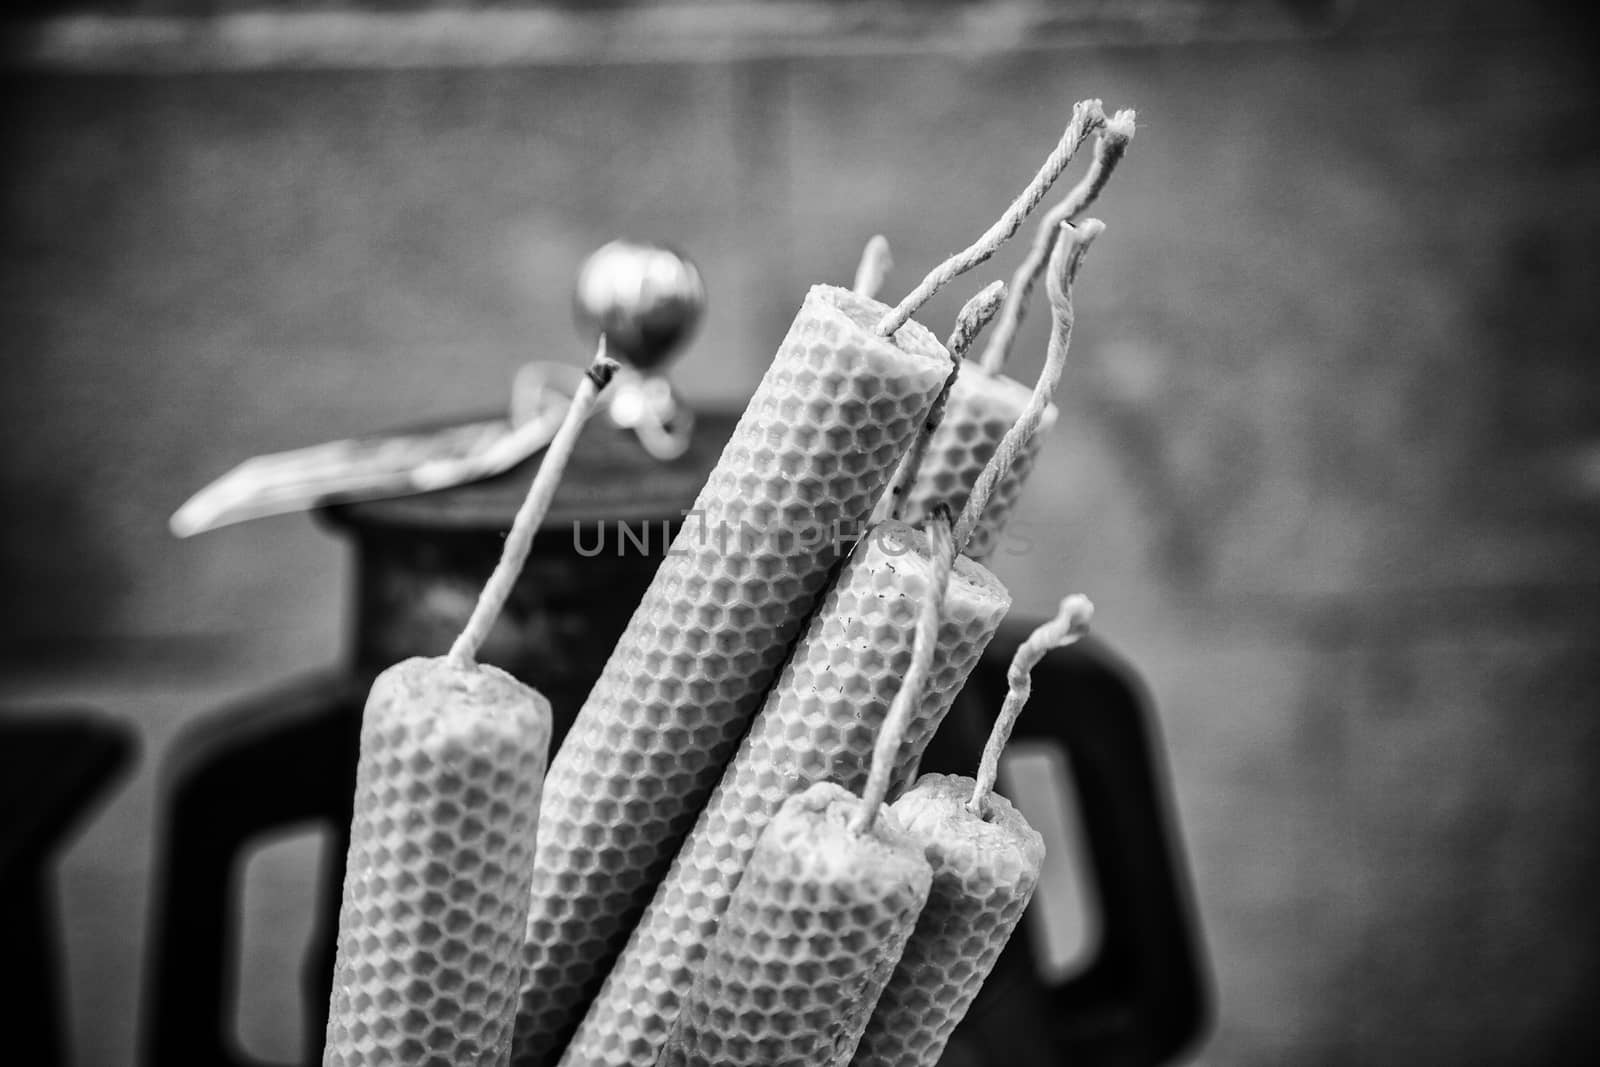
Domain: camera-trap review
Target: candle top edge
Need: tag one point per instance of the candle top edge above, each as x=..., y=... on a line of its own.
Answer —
x=861, y=314
x=812, y=830
x=431, y=684
x=967, y=574
x=934, y=812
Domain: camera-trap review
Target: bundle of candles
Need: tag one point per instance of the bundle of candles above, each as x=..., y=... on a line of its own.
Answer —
x=731, y=859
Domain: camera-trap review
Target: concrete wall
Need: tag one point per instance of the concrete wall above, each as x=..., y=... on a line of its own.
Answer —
x=1330, y=460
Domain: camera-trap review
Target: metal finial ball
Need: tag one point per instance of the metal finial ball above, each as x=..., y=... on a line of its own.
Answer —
x=645, y=298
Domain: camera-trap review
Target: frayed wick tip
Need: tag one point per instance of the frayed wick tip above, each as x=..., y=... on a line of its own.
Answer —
x=602, y=368
x=1121, y=126
x=1082, y=234
x=1075, y=614
x=975, y=315
x=1066, y=259
x=987, y=301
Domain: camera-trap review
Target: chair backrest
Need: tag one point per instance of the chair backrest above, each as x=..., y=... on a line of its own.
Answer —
x=54, y=765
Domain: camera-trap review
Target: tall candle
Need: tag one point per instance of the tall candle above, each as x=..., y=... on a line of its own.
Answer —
x=986, y=861
x=822, y=914
x=810, y=456
x=818, y=723
x=436, y=883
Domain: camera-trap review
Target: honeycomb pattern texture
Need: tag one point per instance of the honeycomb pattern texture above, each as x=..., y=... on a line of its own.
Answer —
x=819, y=723
x=984, y=873
x=441, y=857
x=811, y=935
x=981, y=408
x=811, y=455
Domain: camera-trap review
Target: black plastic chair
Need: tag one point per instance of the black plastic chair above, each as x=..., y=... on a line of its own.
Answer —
x=1142, y=999
x=55, y=765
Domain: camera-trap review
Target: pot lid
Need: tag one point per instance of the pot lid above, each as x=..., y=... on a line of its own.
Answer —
x=611, y=477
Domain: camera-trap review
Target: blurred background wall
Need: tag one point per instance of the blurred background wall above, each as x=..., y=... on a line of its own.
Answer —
x=1330, y=460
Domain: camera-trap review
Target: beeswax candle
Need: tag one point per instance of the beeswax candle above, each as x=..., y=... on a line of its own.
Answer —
x=436, y=882
x=821, y=916
x=809, y=458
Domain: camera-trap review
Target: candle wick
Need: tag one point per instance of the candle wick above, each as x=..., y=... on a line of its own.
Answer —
x=1087, y=117
x=1109, y=148
x=1071, y=622
x=975, y=315
x=1065, y=260
x=942, y=555
x=532, y=512
x=875, y=265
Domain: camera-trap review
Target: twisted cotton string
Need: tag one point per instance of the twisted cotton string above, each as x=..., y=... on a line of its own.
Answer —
x=1109, y=148
x=975, y=315
x=534, y=506
x=1065, y=261
x=1070, y=624
x=875, y=265
x=1087, y=117
x=942, y=555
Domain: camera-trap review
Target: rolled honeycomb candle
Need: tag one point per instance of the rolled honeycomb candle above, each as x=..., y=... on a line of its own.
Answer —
x=436, y=883
x=818, y=723
x=809, y=458
x=811, y=934
x=436, y=880
x=986, y=861
x=819, y=919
